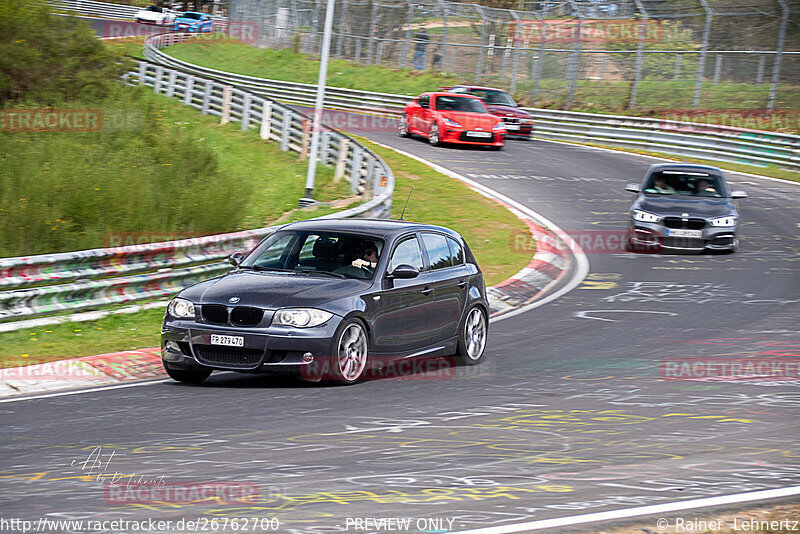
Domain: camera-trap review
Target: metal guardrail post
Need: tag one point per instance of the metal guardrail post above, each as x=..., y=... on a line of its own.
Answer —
x=341, y=159
x=173, y=75
x=227, y=95
x=142, y=73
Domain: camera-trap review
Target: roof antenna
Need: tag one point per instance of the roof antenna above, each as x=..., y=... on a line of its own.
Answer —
x=406, y=204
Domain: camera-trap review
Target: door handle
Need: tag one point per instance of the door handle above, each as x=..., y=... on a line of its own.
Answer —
x=462, y=284
x=427, y=291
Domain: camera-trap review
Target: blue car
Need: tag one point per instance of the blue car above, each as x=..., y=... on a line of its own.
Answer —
x=191, y=21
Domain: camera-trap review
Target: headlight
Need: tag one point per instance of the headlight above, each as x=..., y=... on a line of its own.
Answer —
x=644, y=216
x=301, y=317
x=451, y=122
x=181, y=309
x=724, y=221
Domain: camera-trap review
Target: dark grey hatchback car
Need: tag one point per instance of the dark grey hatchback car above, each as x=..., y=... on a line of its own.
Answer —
x=330, y=300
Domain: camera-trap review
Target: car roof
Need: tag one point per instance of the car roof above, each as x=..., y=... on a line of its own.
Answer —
x=449, y=94
x=480, y=87
x=687, y=167
x=386, y=228
x=194, y=13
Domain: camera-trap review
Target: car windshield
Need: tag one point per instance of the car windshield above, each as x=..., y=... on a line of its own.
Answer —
x=698, y=184
x=154, y=8
x=498, y=98
x=195, y=16
x=459, y=103
x=317, y=253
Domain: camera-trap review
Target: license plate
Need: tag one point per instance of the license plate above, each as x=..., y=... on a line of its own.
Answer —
x=227, y=341
x=512, y=126
x=479, y=134
x=684, y=233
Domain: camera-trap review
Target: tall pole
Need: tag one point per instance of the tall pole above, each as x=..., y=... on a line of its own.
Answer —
x=317, y=124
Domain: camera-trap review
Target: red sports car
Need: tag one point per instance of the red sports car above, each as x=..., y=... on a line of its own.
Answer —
x=519, y=123
x=450, y=118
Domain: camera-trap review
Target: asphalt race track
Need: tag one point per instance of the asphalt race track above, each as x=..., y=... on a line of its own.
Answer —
x=574, y=412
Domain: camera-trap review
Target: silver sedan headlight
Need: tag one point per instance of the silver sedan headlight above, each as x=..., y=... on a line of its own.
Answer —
x=181, y=309
x=730, y=220
x=644, y=216
x=301, y=317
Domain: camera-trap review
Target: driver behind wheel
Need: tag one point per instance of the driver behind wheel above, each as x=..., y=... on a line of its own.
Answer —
x=369, y=257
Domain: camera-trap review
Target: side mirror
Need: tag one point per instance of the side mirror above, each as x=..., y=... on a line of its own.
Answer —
x=404, y=272
x=738, y=194
x=633, y=188
x=235, y=259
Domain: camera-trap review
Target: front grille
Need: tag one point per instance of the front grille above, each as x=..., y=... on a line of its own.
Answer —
x=213, y=313
x=246, y=316
x=694, y=223
x=511, y=120
x=231, y=356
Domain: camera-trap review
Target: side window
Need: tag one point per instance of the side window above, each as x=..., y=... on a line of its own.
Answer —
x=425, y=101
x=438, y=251
x=408, y=253
x=456, y=252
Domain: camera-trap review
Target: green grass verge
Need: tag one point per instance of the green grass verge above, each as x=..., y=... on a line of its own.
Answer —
x=186, y=174
x=488, y=227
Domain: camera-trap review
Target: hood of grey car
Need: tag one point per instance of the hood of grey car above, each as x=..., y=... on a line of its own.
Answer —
x=676, y=206
x=272, y=290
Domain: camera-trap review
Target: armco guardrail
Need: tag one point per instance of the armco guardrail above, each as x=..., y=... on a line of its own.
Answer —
x=102, y=9
x=90, y=279
x=679, y=138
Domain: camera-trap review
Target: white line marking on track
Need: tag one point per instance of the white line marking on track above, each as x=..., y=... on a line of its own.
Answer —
x=80, y=391
x=639, y=511
x=584, y=314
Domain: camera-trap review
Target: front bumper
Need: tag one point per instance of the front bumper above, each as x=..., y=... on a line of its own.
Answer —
x=655, y=235
x=518, y=130
x=458, y=136
x=272, y=350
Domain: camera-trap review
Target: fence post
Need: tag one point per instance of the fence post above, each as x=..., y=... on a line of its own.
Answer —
x=142, y=72
x=157, y=81
x=405, y=49
x=718, y=68
x=443, y=7
x=207, y=96
x=247, y=105
x=266, y=120
x=341, y=159
x=371, y=42
x=574, y=61
x=539, y=66
x=481, y=51
x=637, y=73
x=677, y=73
x=188, y=91
x=305, y=138
x=340, y=37
x=286, y=131
x=227, y=95
x=515, y=61
x=776, y=69
x=355, y=170
x=762, y=60
x=701, y=67
x=171, y=83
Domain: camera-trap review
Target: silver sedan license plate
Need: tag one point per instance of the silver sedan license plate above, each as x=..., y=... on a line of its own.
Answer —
x=227, y=341
x=684, y=233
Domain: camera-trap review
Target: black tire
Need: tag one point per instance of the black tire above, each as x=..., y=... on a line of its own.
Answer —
x=433, y=135
x=402, y=126
x=186, y=375
x=497, y=148
x=350, y=353
x=472, y=337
